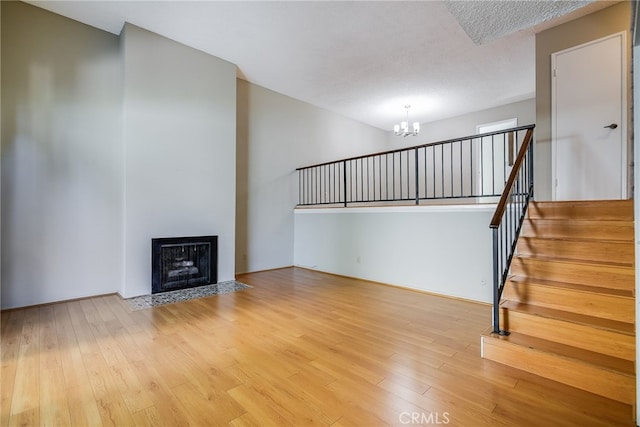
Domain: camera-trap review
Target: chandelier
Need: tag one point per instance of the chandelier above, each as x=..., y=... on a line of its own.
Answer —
x=403, y=128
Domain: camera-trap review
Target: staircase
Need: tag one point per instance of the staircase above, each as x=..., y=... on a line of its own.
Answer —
x=569, y=301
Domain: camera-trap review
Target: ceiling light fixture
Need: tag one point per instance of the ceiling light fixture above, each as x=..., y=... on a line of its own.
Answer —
x=403, y=128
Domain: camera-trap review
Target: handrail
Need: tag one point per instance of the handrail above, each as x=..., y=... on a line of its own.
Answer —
x=502, y=204
x=429, y=144
x=507, y=221
x=471, y=167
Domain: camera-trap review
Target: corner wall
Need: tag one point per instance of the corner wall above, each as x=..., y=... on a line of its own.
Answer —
x=276, y=135
x=62, y=159
x=599, y=24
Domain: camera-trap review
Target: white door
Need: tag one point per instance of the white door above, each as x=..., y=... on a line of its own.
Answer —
x=589, y=121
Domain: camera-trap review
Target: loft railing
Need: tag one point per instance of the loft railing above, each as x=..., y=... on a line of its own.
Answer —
x=472, y=167
x=508, y=219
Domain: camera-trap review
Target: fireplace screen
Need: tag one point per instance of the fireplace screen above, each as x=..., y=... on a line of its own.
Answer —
x=183, y=262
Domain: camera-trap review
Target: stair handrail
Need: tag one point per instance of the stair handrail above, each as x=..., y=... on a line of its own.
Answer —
x=508, y=219
x=467, y=167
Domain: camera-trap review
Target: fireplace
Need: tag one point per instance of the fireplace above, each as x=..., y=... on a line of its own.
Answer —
x=183, y=262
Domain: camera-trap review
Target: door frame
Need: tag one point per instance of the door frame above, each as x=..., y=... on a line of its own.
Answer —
x=496, y=126
x=624, y=170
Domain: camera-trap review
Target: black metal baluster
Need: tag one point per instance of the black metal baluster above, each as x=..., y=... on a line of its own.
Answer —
x=400, y=174
x=386, y=169
x=361, y=180
x=334, y=180
x=373, y=180
x=344, y=182
x=461, y=174
x=496, y=284
x=368, y=180
x=393, y=175
x=408, y=176
x=493, y=167
x=451, y=168
x=482, y=166
x=471, y=190
x=505, y=158
x=380, y=178
x=322, y=178
x=426, y=187
x=442, y=168
x=299, y=187
x=417, y=178
x=433, y=164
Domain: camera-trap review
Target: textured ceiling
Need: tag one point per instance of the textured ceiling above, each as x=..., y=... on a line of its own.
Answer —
x=485, y=21
x=364, y=60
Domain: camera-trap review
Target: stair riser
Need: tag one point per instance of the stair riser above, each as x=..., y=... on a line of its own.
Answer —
x=604, y=276
x=576, y=335
x=562, y=229
x=591, y=304
x=587, y=377
x=612, y=210
x=600, y=251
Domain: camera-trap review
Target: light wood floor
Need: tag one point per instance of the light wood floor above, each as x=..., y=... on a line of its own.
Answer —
x=299, y=348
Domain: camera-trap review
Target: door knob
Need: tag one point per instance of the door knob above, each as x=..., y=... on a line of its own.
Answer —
x=612, y=126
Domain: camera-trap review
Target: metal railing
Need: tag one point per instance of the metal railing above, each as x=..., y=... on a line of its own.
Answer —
x=470, y=167
x=508, y=219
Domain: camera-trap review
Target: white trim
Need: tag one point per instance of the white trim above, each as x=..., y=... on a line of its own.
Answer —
x=486, y=128
x=623, y=125
x=499, y=125
x=489, y=207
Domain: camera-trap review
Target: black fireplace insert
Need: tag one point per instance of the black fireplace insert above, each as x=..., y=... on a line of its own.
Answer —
x=183, y=262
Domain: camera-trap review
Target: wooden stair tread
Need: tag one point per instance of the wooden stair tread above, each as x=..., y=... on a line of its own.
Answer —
x=589, y=250
x=573, y=271
x=616, y=230
x=596, y=322
x=577, y=261
x=610, y=363
x=572, y=286
x=579, y=240
x=583, y=209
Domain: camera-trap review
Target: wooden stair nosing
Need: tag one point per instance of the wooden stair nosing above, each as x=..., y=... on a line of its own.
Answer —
x=577, y=272
x=620, y=210
x=596, y=322
x=595, y=378
x=524, y=280
x=610, y=363
x=615, y=230
x=595, y=263
x=596, y=251
x=578, y=335
x=564, y=298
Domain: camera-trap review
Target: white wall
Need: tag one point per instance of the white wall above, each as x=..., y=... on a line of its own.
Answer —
x=440, y=249
x=61, y=158
x=276, y=135
x=179, y=138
